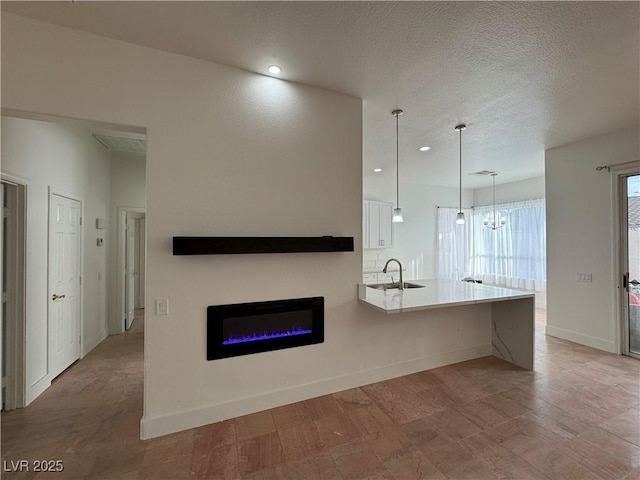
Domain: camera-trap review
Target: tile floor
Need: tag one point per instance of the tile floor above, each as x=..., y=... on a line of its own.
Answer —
x=575, y=417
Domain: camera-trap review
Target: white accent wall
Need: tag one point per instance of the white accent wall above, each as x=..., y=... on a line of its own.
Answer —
x=580, y=238
x=43, y=155
x=127, y=190
x=230, y=152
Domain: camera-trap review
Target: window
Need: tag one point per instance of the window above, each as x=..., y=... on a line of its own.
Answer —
x=511, y=256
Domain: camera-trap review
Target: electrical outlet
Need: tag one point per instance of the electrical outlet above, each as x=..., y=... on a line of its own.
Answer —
x=583, y=277
x=162, y=306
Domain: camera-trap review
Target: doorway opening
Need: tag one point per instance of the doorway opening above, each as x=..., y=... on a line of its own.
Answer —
x=629, y=188
x=103, y=166
x=132, y=263
x=12, y=238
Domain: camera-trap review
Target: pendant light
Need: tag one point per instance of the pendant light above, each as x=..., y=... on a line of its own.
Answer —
x=397, y=212
x=460, y=215
x=496, y=220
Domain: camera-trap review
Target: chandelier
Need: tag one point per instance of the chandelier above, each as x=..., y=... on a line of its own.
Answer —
x=494, y=220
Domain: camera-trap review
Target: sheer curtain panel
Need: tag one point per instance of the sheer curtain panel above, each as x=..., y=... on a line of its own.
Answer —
x=454, y=244
x=515, y=254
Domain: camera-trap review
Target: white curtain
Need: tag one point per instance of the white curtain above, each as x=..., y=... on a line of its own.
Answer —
x=512, y=256
x=454, y=244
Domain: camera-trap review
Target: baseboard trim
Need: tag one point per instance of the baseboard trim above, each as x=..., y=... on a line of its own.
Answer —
x=581, y=338
x=175, y=422
x=93, y=342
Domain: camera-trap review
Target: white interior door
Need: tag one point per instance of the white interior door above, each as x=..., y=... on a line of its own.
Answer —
x=130, y=269
x=64, y=282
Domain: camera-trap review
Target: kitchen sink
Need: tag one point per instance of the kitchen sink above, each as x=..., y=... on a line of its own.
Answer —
x=389, y=286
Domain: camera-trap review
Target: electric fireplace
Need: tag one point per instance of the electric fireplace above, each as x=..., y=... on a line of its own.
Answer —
x=245, y=328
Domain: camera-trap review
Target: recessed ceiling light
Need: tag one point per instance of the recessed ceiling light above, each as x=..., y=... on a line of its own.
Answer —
x=424, y=149
x=377, y=170
x=275, y=69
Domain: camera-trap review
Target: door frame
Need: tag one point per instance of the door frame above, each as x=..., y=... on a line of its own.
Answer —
x=71, y=196
x=120, y=273
x=621, y=330
x=141, y=257
x=16, y=296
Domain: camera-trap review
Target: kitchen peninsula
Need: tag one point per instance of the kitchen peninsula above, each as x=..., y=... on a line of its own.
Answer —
x=512, y=311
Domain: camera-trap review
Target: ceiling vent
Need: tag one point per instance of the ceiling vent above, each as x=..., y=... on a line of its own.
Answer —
x=483, y=172
x=122, y=142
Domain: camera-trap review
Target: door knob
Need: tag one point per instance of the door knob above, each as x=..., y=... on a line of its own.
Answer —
x=55, y=297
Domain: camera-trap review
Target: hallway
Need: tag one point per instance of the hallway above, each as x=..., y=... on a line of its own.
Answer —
x=90, y=416
x=576, y=417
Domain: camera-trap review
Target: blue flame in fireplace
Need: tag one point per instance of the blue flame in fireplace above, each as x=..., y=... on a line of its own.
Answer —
x=265, y=336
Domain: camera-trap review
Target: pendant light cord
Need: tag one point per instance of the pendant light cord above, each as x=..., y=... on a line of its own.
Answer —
x=460, y=130
x=397, y=165
x=495, y=221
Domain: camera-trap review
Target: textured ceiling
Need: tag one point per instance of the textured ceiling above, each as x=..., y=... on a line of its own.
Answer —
x=523, y=76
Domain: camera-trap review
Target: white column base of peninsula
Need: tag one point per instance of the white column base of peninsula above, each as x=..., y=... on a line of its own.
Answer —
x=512, y=331
x=512, y=311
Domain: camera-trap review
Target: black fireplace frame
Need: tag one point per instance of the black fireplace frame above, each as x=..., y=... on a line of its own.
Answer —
x=216, y=314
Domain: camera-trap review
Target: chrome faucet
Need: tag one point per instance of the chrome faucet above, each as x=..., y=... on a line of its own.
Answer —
x=384, y=270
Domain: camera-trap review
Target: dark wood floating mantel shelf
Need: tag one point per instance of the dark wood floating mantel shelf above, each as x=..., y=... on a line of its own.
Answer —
x=240, y=245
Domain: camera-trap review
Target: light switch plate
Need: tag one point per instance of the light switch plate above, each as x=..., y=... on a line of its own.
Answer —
x=583, y=277
x=162, y=306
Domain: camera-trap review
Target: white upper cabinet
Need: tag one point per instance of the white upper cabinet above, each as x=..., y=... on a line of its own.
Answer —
x=386, y=225
x=377, y=229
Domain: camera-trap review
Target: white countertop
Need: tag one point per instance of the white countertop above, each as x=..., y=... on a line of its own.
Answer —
x=437, y=293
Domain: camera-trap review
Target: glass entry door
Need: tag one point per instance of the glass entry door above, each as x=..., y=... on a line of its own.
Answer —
x=631, y=256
